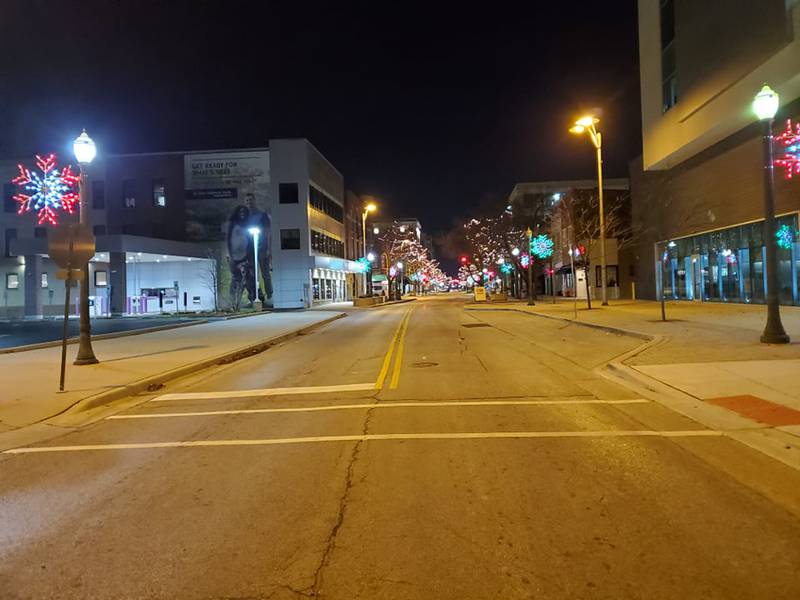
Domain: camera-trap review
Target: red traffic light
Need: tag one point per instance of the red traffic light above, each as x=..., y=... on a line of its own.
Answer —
x=464, y=260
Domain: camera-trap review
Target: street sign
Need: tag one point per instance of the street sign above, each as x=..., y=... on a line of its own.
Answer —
x=480, y=293
x=82, y=242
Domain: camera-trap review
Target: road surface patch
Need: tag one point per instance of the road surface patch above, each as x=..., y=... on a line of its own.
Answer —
x=375, y=438
x=371, y=405
x=287, y=391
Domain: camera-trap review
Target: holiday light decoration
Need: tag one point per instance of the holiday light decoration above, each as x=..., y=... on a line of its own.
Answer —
x=541, y=246
x=47, y=192
x=789, y=140
x=785, y=237
x=524, y=260
x=505, y=268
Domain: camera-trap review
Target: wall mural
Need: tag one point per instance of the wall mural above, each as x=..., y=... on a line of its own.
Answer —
x=227, y=200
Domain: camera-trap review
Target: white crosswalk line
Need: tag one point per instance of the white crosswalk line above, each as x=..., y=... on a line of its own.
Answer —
x=287, y=391
x=374, y=438
x=372, y=405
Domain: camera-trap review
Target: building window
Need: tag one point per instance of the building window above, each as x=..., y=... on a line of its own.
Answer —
x=326, y=244
x=612, y=276
x=12, y=281
x=290, y=239
x=669, y=81
x=11, y=235
x=288, y=193
x=129, y=193
x=325, y=204
x=98, y=195
x=44, y=280
x=99, y=230
x=101, y=278
x=159, y=193
x=40, y=232
x=9, y=204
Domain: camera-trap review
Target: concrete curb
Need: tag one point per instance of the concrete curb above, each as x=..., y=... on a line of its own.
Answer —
x=607, y=328
x=777, y=444
x=70, y=418
x=102, y=336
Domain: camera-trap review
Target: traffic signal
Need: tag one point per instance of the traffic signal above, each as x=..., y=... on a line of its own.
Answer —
x=464, y=260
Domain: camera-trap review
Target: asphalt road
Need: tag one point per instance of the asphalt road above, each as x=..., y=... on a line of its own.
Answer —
x=22, y=333
x=492, y=463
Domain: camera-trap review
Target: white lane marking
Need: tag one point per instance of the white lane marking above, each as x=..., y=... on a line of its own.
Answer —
x=289, y=391
x=373, y=438
x=256, y=411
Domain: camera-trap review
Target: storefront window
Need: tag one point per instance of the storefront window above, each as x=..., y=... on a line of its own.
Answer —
x=728, y=266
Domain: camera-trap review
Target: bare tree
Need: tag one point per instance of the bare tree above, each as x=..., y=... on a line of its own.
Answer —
x=210, y=275
x=581, y=209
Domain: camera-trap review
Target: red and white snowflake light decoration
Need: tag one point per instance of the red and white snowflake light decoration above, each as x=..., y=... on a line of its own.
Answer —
x=789, y=141
x=47, y=192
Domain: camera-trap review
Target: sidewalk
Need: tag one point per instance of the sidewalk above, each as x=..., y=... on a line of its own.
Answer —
x=129, y=364
x=709, y=351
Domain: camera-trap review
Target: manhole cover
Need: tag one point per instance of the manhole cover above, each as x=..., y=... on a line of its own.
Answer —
x=422, y=365
x=475, y=325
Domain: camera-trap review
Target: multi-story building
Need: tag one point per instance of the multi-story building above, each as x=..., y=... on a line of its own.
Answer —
x=697, y=189
x=540, y=203
x=177, y=231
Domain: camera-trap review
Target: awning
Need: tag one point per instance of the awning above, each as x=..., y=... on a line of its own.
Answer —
x=563, y=270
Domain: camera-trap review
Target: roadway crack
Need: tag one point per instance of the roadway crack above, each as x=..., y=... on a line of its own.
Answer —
x=330, y=544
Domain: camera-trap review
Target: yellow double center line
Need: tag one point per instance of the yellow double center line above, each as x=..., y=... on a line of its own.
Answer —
x=398, y=341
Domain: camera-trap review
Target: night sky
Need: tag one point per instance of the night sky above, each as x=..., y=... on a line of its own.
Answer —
x=435, y=108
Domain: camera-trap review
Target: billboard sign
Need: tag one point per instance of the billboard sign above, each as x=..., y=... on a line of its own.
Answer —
x=227, y=194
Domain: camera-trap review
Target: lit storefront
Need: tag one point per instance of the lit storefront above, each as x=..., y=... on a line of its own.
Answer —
x=727, y=265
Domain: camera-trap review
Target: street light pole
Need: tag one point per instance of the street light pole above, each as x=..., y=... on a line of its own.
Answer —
x=85, y=151
x=368, y=208
x=765, y=106
x=588, y=124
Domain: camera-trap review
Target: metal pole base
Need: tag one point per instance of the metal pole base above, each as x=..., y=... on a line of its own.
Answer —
x=86, y=360
x=774, y=338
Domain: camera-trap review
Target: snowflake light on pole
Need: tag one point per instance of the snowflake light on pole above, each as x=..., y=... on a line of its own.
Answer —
x=47, y=192
x=789, y=140
x=785, y=237
x=524, y=260
x=541, y=246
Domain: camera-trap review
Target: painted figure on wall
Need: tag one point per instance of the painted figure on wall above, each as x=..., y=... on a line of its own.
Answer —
x=261, y=219
x=241, y=255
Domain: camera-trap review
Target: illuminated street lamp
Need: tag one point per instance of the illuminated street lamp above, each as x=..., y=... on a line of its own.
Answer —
x=255, y=232
x=765, y=106
x=85, y=151
x=368, y=208
x=588, y=124
x=515, y=252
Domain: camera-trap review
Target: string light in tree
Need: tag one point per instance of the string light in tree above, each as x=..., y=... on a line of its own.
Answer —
x=785, y=237
x=47, y=192
x=541, y=246
x=790, y=141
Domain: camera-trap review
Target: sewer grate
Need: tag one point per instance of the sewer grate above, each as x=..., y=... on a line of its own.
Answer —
x=475, y=325
x=422, y=365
